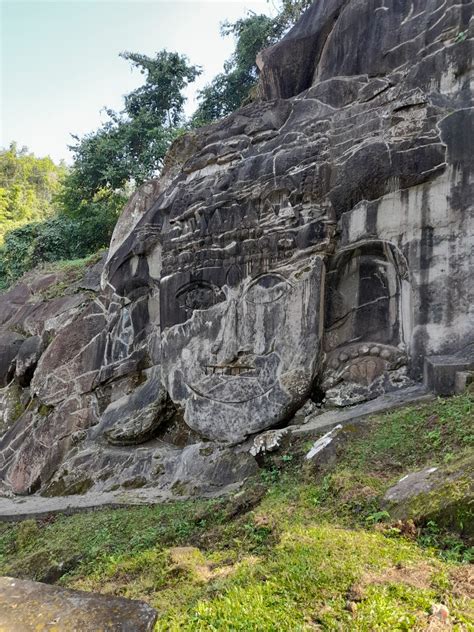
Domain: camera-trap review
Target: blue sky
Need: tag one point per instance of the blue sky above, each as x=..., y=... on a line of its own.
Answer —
x=60, y=64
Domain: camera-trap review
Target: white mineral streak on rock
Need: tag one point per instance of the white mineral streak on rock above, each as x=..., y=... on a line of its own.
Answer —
x=323, y=442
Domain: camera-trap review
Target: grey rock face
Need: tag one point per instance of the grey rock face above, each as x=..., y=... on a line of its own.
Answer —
x=27, y=359
x=318, y=241
x=200, y=468
x=247, y=362
x=10, y=343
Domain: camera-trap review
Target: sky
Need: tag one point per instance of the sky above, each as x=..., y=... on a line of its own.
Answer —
x=60, y=63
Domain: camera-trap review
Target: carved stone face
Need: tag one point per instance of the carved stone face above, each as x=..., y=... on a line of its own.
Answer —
x=240, y=341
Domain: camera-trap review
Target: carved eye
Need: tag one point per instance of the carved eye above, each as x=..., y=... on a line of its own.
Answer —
x=267, y=289
x=199, y=295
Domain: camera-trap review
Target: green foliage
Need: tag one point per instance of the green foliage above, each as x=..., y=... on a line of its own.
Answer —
x=131, y=145
x=451, y=547
x=27, y=187
x=58, y=238
x=415, y=435
x=375, y=518
x=96, y=537
x=236, y=85
x=291, y=11
x=230, y=89
x=69, y=272
x=167, y=75
x=106, y=160
x=26, y=534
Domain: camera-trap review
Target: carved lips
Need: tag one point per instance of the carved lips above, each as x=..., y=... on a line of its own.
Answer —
x=233, y=384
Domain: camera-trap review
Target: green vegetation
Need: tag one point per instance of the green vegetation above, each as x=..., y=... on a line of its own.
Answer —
x=69, y=272
x=27, y=187
x=131, y=145
x=406, y=439
x=304, y=547
x=233, y=87
x=57, y=238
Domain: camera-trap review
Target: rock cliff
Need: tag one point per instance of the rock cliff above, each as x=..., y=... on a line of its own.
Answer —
x=316, y=243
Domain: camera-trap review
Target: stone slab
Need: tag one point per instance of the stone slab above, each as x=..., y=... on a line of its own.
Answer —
x=440, y=372
x=31, y=606
x=13, y=508
x=318, y=424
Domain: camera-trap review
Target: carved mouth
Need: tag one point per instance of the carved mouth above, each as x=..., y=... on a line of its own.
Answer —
x=230, y=369
x=234, y=390
x=242, y=380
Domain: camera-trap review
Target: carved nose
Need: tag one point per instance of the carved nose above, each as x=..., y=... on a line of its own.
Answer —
x=226, y=344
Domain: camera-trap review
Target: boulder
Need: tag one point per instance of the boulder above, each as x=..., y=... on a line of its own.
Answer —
x=28, y=356
x=196, y=469
x=444, y=494
x=27, y=606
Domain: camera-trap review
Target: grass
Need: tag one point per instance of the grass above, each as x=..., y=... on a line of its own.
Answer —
x=70, y=271
x=303, y=548
x=416, y=436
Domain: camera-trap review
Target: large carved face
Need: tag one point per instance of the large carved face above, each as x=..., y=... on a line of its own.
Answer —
x=241, y=337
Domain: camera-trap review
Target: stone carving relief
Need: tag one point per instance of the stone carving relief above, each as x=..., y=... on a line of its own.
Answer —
x=367, y=323
x=314, y=243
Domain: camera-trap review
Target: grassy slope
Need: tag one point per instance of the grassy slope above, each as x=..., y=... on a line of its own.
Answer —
x=300, y=549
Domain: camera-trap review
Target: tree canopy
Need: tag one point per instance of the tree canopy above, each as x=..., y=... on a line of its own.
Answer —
x=131, y=145
x=27, y=187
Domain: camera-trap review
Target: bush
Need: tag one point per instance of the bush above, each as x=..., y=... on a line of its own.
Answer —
x=57, y=238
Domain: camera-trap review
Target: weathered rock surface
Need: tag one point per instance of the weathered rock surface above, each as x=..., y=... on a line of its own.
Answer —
x=33, y=607
x=317, y=242
x=443, y=494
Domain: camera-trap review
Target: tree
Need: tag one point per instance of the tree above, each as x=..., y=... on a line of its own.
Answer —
x=235, y=86
x=131, y=145
x=167, y=75
x=290, y=12
x=230, y=89
x=27, y=187
x=57, y=237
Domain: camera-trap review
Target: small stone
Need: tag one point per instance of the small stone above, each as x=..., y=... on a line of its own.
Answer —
x=375, y=351
x=351, y=606
x=268, y=441
x=343, y=357
x=364, y=350
x=323, y=442
x=385, y=354
x=354, y=353
x=440, y=611
x=334, y=363
x=355, y=593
